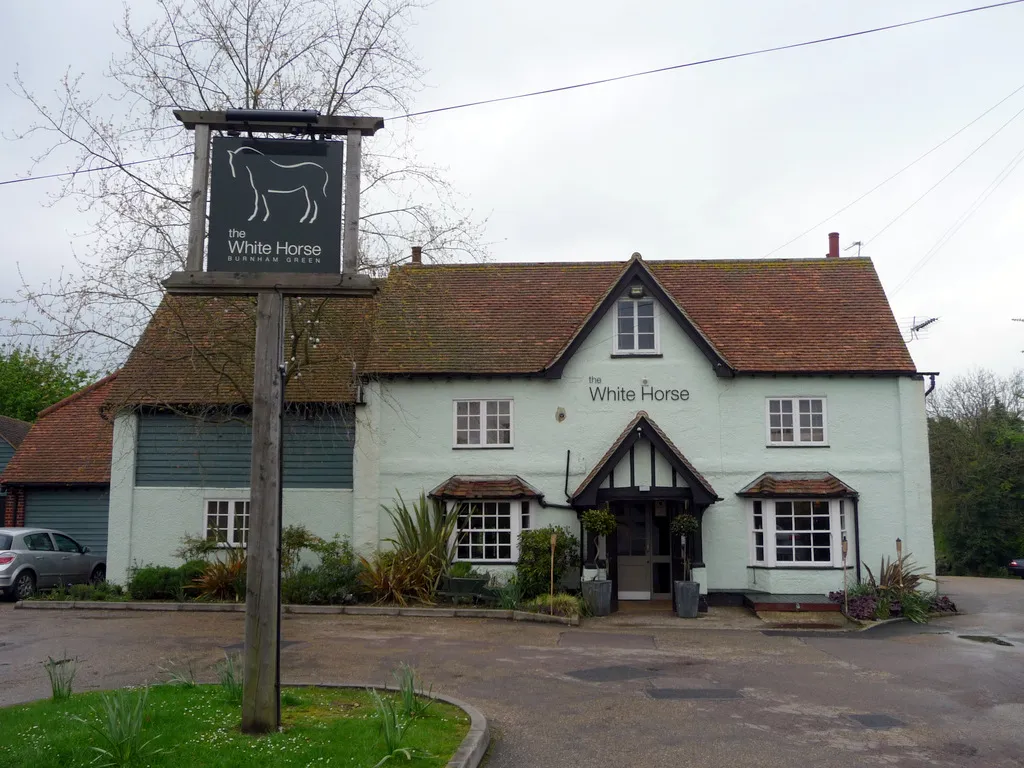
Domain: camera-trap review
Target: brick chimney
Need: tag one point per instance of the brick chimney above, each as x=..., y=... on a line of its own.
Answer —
x=417, y=254
x=833, y=246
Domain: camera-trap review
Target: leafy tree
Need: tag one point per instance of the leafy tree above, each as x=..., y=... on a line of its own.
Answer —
x=976, y=434
x=336, y=56
x=31, y=380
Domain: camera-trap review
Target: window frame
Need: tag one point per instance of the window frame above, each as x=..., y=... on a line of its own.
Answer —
x=769, y=531
x=483, y=425
x=521, y=514
x=230, y=542
x=655, y=314
x=796, y=442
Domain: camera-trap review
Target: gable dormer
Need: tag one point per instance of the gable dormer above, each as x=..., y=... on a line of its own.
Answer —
x=640, y=305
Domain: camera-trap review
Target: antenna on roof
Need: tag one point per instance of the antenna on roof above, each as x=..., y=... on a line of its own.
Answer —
x=916, y=326
x=858, y=245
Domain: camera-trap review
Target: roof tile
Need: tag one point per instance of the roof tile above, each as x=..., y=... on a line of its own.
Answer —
x=69, y=443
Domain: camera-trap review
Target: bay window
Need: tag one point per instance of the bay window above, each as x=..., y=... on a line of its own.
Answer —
x=488, y=531
x=798, y=533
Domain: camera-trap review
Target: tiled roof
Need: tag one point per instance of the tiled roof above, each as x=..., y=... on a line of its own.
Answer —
x=200, y=350
x=807, y=315
x=642, y=417
x=822, y=484
x=69, y=443
x=769, y=316
x=485, y=487
x=13, y=431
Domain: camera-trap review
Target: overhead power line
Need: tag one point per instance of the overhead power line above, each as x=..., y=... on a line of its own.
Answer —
x=94, y=169
x=972, y=209
x=590, y=83
x=906, y=167
x=701, y=62
x=948, y=173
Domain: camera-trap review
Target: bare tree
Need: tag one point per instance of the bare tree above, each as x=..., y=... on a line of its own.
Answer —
x=336, y=56
x=969, y=398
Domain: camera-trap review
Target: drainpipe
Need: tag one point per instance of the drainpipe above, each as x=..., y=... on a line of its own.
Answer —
x=931, y=386
x=856, y=534
x=567, y=474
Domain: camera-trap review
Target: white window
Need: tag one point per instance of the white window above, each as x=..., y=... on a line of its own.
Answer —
x=227, y=521
x=483, y=423
x=488, y=531
x=796, y=532
x=636, y=327
x=797, y=421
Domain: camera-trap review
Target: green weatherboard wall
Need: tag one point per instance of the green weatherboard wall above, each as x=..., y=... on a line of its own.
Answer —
x=81, y=513
x=6, y=452
x=175, y=450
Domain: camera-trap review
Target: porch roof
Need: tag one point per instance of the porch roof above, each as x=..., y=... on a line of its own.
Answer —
x=485, y=487
x=820, y=484
x=642, y=425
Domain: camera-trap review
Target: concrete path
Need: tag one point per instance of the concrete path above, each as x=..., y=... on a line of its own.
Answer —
x=623, y=696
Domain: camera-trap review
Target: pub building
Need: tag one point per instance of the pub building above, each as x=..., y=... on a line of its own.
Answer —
x=773, y=400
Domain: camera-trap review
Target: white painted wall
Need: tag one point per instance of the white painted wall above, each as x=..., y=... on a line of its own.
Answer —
x=147, y=524
x=878, y=444
x=876, y=427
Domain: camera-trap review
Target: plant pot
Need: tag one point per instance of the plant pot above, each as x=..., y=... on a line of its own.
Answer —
x=598, y=596
x=687, y=596
x=466, y=585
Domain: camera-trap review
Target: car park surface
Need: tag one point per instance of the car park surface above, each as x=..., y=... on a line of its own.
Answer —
x=900, y=695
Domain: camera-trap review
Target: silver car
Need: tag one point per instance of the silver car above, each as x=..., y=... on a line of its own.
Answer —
x=40, y=558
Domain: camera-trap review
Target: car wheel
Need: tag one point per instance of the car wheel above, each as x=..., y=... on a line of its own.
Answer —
x=99, y=574
x=24, y=586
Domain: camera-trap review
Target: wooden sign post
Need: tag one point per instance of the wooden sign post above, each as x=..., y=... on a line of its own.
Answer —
x=261, y=689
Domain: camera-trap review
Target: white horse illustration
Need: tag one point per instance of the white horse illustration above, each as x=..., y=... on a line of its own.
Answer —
x=306, y=177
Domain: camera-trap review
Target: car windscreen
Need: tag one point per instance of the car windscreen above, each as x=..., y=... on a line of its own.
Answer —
x=5, y=541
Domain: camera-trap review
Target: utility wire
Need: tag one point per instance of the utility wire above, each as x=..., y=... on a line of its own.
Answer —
x=948, y=235
x=685, y=65
x=890, y=178
x=700, y=62
x=91, y=170
x=949, y=173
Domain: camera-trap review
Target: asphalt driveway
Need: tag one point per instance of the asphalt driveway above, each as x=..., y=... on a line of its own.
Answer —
x=598, y=695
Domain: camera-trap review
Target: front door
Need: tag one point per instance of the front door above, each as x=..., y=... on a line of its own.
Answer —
x=633, y=544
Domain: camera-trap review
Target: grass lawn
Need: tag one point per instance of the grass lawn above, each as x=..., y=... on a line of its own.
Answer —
x=198, y=727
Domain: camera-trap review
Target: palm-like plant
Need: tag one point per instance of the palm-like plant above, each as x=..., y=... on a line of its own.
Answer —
x=423, y=550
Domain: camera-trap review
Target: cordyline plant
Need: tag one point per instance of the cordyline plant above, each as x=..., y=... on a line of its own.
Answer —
x=423, y=550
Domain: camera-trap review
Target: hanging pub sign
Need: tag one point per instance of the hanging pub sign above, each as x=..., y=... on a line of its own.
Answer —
x=275, y=206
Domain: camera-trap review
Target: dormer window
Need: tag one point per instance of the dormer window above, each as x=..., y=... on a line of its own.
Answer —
x=636, y=331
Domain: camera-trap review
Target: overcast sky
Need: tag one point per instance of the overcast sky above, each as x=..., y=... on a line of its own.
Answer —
x=728, y=160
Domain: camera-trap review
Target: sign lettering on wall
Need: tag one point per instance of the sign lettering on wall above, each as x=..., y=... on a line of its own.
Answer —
x=600, y=393
x=275, y=206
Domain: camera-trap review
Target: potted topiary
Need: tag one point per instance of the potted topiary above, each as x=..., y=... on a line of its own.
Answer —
x=686, y=591
x=597, y=590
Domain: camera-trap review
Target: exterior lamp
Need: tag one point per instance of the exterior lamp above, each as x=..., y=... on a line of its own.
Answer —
x=636, y=292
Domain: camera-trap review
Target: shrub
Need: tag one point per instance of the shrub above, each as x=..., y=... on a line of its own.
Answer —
x=510, y=594
x=464, y=570
x=942, y=604
x=224, y=579
x=913, y=605
x=294, y=539
x=154, y=582
x=562, y=604
x=196, y=548
x=863, y=607
x=424, y=546
x=534, y=567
